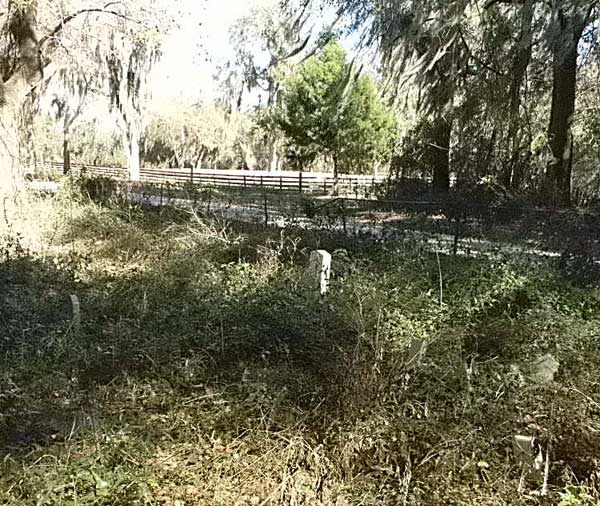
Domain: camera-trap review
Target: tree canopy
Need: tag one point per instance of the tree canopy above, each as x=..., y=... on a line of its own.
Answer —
x=495, y=90
x=329, y=109
x=487, y=70
x=189, y=135
x=114, y=43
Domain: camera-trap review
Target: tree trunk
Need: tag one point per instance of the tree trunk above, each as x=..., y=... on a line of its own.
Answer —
x=131, y=144
x=560, y=134
x=14, y=89
x=509, y=177
x=199, y=159
x=273, y=99
x=273, y=156
x=133, y=156
x=66, y=154
x=438, y=147
x=560, y=129
x=9, y=151
x=335, y=169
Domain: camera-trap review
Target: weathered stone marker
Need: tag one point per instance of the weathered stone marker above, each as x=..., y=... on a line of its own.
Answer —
x=540, y=371
x=415, y=352
x=76, y=313
x=528, y=454
x=319, y=271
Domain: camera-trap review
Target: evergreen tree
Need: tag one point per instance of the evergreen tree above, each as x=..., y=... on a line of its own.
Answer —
x=329, y=109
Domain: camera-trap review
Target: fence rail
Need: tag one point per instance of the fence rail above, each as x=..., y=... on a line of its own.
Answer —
x=284, y=181
x=455, y=227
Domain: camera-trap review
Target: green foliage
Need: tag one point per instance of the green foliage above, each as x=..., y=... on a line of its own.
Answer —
x=183, y=135
x=42, y=141
x=268, y=42
x=98, y=189
x=575, y=496
x=328, y=110
x=586, y=181
x=491, y=70
x=201, y=355
x=90, y=144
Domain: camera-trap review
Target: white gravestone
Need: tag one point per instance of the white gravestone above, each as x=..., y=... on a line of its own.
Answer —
x=319, y=270
x=528, y=453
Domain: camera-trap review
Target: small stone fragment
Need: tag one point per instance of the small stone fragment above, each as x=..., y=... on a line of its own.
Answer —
x=542, y=370
x=528, y=453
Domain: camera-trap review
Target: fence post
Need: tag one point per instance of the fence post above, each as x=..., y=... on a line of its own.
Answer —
x=280, y=183
x=261, y=181
x=244, y=180
x=161, y=195
x=266, y=210
x=457, y=227
x=300, y=181
x=191, y=174
x=208, y=203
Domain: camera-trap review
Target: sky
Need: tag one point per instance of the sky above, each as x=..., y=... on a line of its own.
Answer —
x=192, y=54
x=189, y=61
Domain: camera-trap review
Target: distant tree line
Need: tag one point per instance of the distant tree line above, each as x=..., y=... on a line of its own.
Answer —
x=502, y=94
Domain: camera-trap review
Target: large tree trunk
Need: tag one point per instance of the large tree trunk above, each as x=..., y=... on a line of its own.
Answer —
x=510, y=176
x=14, y=90
x=569, y=23
x=438, y=129
x=273, y=155
x=438, y=147
x=336, y=169
x=66, y=153
x=9, y=151
x=560, y=135
x=131, y=144
x=273, y=99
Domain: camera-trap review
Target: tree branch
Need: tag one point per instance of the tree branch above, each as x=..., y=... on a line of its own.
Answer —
x=491, y=3
x=322, y=41
x=297, y=49
x=23, y=28
x=104, y=10
x=476, y=58
x=588, y=14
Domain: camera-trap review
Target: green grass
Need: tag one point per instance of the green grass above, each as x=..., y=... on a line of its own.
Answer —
x=204, y=373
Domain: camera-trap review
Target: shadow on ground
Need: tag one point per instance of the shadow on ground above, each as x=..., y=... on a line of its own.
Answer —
x=174, y=317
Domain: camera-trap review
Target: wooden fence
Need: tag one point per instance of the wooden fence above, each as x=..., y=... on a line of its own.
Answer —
x=310, y=182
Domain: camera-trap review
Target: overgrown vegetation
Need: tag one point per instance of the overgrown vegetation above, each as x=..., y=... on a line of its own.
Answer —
x=204, y=372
